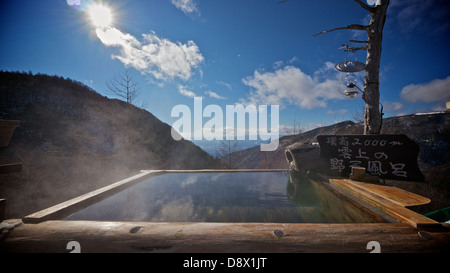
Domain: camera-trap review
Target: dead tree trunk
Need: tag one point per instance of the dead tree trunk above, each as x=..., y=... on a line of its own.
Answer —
x=371, y=94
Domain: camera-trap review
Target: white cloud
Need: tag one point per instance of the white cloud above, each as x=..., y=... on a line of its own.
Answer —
x=401, y=114
x=289, y=129
x=291, y=85
x=435, y=91
x=162, y=58
x=326, y=71
x=183, y=91
x=341, y=112
x=279, y=64
x=227, y=85
x=214, y=95
x=311, y=126
x=186, y=6
x=392, y=106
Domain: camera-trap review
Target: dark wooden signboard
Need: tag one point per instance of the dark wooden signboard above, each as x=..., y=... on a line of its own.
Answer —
x=385, y=156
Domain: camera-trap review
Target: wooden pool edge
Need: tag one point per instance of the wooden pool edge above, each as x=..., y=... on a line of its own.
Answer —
x=151, y=237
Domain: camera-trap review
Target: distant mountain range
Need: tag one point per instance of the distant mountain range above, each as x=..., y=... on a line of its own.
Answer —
x=430, y=130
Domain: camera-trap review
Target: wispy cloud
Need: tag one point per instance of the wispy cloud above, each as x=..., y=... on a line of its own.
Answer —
x=279, y=64
x=227, y=85
x=185, y=92
x=159, y=57
x=392, y=106
x=290, y=85
x=290, y=129
x=341, y=112
x=326, y=71
x=435, y=91
x=186, y=6
x=214, y=95
x=413, y=15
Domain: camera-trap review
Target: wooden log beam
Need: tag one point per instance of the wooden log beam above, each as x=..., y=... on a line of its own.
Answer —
x=10, y=168
x=107, y=237
x=2, y=209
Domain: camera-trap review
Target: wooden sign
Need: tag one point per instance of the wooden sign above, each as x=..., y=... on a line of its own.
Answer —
x=385, y=156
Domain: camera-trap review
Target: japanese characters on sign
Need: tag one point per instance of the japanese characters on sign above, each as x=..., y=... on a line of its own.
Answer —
x=385, y=156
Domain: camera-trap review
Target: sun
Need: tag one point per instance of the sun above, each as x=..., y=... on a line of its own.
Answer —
x=100, y=15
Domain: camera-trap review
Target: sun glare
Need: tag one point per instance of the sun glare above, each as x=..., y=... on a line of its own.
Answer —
x=100, y=15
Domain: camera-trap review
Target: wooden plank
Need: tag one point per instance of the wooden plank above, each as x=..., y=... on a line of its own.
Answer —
x=53, y=237
x=7, y=128
x=9, y=123
x=384, y=203
x=396, y=195
x=2, y=209
x=224, y=170
x=10, y=168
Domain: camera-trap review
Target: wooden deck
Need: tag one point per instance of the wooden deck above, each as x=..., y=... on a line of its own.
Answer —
x=392, y=200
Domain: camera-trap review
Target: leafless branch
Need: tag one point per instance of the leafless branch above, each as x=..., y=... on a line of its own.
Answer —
x=356, y=41
x=353, y=49
x=295, y=128
x=358, y=115
x=354, y=27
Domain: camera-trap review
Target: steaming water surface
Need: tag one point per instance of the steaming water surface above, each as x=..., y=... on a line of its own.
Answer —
x=278, y=197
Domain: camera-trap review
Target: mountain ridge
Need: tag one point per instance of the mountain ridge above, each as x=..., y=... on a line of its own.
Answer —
x=430, y=130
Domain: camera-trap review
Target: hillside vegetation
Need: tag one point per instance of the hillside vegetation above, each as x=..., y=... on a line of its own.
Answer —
x=72, y=140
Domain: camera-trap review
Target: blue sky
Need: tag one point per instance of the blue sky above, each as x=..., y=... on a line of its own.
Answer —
x=235, y=51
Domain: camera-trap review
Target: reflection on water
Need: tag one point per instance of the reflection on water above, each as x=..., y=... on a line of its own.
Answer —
x=281, y=197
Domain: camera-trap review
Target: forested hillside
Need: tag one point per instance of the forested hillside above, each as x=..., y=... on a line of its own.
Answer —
x=72, y=140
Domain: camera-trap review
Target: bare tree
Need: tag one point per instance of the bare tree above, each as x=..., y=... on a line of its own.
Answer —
x=358, y=116
x=226, y=149
x=295, y=129
x=371, y=93
x=124, y=86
